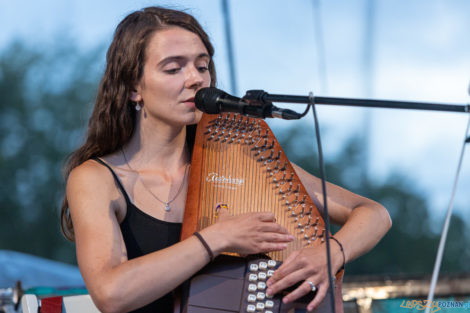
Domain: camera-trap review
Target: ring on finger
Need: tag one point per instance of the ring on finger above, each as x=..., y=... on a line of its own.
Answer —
x=313, y=288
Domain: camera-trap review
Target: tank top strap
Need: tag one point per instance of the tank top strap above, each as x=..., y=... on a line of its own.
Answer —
x=118, y=181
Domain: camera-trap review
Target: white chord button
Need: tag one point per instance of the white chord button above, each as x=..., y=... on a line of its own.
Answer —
x=250, y=308
x=271, y=263
x=262, y=276
x=251, y=298
x=260, y=306
x=260, y=296
x=270, y=273
x=268, y=311
x=263, y=265
x=261, y=285
x=253, y=277
x=251, y=287
x=269, y=304
x=253, y=267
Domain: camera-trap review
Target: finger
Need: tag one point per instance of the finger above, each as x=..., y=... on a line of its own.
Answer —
x=300, y=291
x=278, y=275
x=270, y=246
x=319, y=296
x=265, y=216
x=285, y=282
x=223, y=213
x=275, y=237
x=287, y=269
x=273, y=227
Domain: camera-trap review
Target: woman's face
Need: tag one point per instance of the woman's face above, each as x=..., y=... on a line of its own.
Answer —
x=176, y=66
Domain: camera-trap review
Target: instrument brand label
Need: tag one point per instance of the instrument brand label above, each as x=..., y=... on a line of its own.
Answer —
x=224, y=181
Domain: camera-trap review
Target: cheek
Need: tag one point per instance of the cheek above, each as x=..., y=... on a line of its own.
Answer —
x=207, y=80
x=166, y=88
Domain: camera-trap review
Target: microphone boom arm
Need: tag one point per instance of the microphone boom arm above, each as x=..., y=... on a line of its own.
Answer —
x=262, y=97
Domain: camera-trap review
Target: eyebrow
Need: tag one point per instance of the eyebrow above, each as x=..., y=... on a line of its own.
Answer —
x=180, y=58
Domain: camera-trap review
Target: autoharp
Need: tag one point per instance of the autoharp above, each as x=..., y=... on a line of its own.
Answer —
x=238, y=161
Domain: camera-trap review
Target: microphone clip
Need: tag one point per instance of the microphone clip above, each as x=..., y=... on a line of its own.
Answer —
x=256, y=96
x=257, y=99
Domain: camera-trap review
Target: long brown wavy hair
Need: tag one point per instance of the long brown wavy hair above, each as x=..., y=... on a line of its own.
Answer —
x=113, y=120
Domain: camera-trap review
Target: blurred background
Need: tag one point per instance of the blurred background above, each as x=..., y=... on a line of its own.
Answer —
x=52, y=55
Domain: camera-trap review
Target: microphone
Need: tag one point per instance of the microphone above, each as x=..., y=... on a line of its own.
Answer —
x=214, y=101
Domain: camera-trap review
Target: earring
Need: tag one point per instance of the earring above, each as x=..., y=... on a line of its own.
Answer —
x=137, y=106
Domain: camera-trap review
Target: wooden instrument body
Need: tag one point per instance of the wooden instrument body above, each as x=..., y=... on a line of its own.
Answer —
x=238, y=161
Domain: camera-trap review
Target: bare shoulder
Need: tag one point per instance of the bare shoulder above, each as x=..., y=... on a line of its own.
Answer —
x=88, y=177
x=91, y=186
x=90, y=170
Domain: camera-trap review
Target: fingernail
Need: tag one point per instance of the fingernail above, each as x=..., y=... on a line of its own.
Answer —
x=291, y=237
x=269, y=292
x=285, y=300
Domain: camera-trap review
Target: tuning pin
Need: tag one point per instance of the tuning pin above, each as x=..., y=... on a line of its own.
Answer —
x=270, y=157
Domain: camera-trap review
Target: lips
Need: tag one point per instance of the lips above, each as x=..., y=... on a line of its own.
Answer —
x=190, y=103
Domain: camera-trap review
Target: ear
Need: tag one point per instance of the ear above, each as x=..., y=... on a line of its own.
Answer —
x=135, y=96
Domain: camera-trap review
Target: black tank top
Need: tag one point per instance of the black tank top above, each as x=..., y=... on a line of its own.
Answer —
x=144, y=234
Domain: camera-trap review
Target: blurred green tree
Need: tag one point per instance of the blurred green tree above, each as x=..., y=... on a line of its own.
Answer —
x=45, y=100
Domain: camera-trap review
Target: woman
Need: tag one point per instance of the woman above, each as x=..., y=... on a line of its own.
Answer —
x=126, y=186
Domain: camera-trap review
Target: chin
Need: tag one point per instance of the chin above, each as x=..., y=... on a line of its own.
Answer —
x=193, y=118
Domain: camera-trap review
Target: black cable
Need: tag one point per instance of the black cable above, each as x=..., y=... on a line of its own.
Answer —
x=326, y=216
x=306, y=111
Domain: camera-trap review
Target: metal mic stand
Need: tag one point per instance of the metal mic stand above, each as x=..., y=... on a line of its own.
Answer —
x=262, y=97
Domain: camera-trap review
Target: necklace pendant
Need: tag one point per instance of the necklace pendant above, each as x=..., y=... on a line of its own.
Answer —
x=167, y=207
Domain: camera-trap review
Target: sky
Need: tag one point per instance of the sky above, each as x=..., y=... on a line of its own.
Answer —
x=416, y=50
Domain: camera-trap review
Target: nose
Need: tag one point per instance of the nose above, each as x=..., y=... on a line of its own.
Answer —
x=194, y=78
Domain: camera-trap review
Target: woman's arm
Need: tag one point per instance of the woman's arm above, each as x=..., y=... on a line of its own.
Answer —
x=117, y=284
x=364, y=222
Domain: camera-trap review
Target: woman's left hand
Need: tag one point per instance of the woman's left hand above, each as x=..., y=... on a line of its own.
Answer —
x=308, y=265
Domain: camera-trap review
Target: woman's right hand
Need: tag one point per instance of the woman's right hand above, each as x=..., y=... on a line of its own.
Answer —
x=249, y=233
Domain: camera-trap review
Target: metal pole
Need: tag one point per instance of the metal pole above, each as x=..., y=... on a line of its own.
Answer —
x=229, y=44
x=368, y=79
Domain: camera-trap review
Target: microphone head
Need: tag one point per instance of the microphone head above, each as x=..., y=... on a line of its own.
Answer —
x=206, y=100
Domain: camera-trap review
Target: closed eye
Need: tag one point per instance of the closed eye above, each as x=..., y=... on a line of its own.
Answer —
x=202, y=69
x=173, y=70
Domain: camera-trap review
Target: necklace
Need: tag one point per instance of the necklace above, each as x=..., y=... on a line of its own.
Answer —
x=166, y=203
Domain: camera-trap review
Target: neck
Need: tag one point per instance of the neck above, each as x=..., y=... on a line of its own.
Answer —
x=158, y=146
